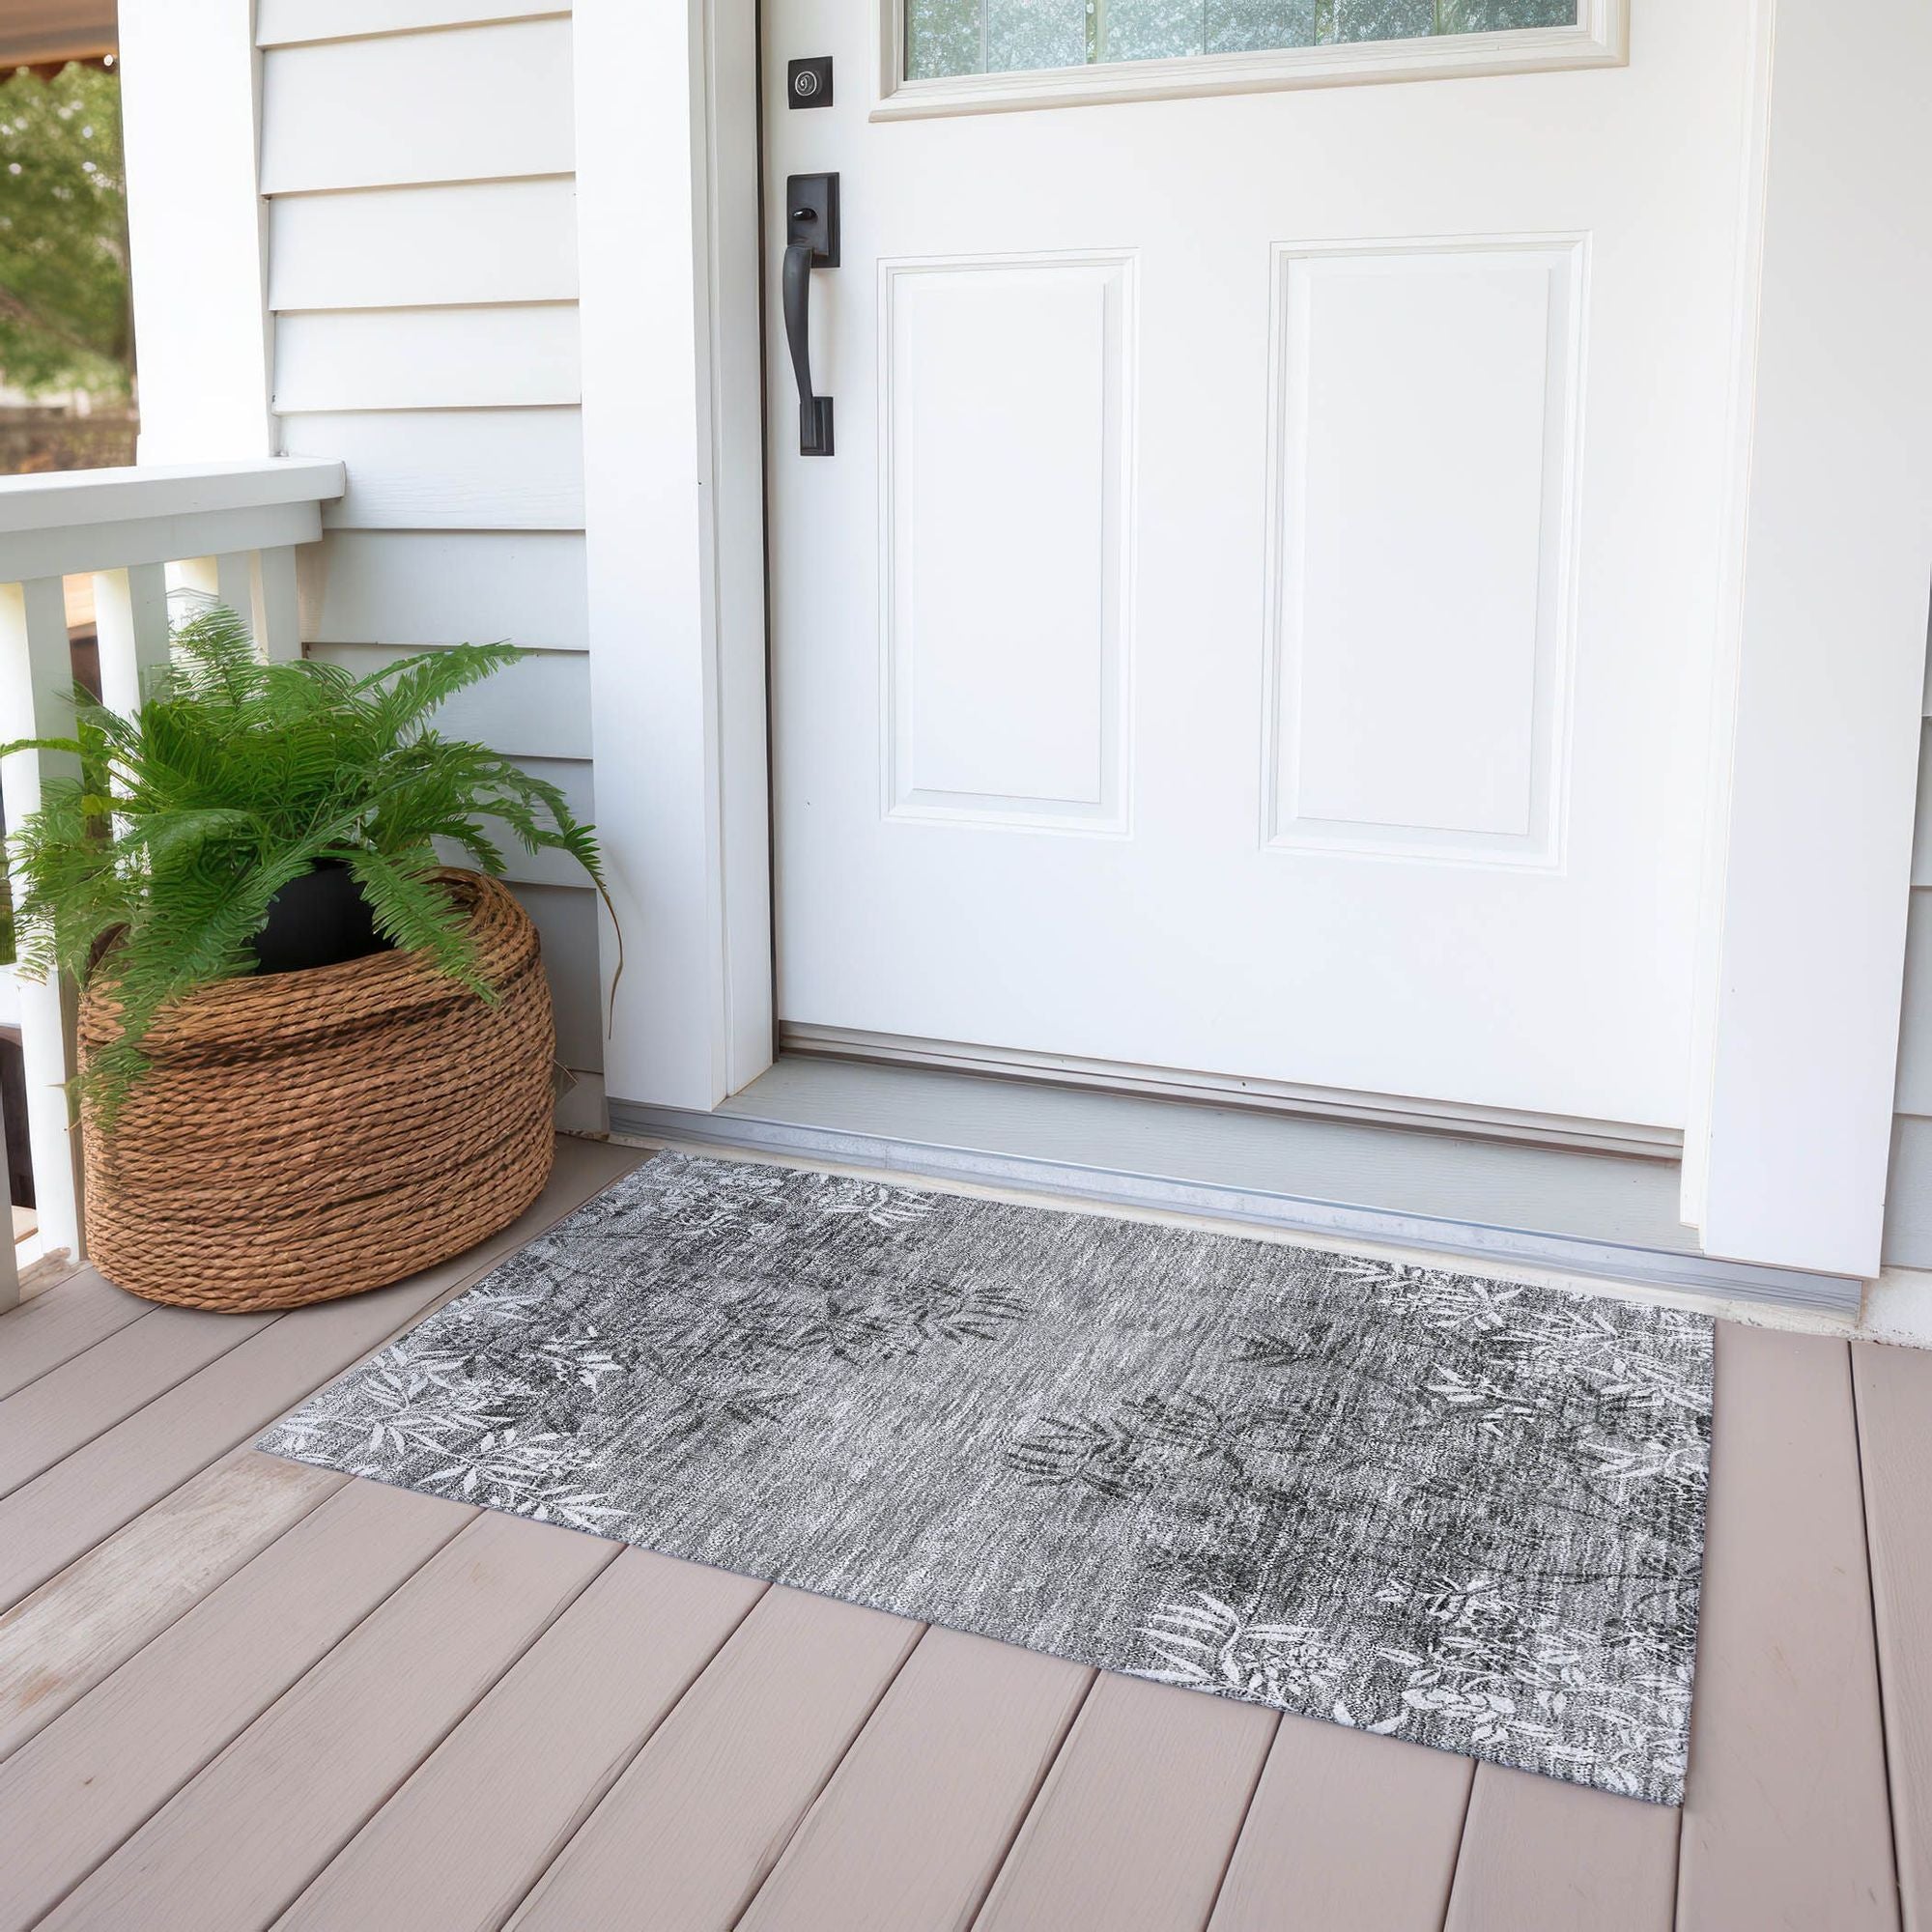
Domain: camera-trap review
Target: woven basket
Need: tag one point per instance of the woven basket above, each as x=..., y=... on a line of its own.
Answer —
x=307, y=1135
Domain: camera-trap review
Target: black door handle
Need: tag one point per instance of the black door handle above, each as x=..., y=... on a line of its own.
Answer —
x=815, y=412
x=811, y=241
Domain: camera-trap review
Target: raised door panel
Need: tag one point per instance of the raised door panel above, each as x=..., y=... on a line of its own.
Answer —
x=1005, y=446
x=1424, y=473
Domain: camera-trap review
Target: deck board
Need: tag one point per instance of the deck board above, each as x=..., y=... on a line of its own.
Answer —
x=88, y=1781
x=63, y=1513
x=58, y=1324
x=72, y=1633
x=913, y=1828
x=239, y=1841
x=1347, y=1829
x=1894, y=1403
x=266, y=1693
x=88, y=1394
x=1787, y=1820
x=1539, y=1856
x=469, y=1835
x=1135, y=1825
x=691, y=1830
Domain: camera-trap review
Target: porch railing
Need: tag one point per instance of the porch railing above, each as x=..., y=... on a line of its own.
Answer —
x=228, y=530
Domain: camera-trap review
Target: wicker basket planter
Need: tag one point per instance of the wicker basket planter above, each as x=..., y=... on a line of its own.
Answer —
x=309, y=1135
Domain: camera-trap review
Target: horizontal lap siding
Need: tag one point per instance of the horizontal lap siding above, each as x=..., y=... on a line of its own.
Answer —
x=421, y=359
x=463, y=470
x=417, y=587
x=535, y=709
x=417, y=157
x=1907, y=1207
x=408, y=247
x=467, y=103
x=287, y=22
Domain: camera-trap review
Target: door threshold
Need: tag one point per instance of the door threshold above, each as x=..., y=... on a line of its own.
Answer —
x=1611, y=1216
x=1223, y=1090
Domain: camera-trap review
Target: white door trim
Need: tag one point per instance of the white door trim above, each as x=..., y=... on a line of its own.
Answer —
x=668, y=240
x=1809, y=873
x=1807, y=884
x=1601, y=38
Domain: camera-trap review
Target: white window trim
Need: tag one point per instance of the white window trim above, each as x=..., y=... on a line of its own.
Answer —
x=1601, y=38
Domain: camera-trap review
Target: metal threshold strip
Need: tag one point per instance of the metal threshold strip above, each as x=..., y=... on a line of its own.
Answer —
x=1607, y=1215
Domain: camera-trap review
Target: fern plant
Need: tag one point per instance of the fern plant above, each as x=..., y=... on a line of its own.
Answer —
x=233, y=778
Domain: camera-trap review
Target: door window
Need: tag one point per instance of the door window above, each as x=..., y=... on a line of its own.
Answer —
x=944, y=38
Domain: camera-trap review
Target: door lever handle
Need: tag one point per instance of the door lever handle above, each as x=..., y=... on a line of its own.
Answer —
x=811, y=241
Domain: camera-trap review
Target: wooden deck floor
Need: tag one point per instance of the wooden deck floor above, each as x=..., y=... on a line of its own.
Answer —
x=238, y=1692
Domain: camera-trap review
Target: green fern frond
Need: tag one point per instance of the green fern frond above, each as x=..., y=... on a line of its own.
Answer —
x=236, y=777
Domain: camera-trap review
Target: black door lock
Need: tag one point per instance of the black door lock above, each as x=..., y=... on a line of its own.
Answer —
x=809, y=82
x=811, y=241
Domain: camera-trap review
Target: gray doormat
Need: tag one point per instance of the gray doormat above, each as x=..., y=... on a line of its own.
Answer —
x=1463, y=1511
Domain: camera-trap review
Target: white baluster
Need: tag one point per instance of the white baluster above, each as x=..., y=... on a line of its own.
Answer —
x=276, y=611
x=10, y=1267
x=260, y=588
x=35, y=686
x=131, y=615
x=235, y=583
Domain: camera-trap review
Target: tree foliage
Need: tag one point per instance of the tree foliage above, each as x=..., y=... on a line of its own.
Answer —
x=236, y=777
x=66, y=319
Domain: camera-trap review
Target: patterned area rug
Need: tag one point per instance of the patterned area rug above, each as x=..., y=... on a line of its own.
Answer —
x=1463, y=1511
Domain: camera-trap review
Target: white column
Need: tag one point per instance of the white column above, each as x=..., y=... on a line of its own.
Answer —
x=189, y=110
x=36, y=683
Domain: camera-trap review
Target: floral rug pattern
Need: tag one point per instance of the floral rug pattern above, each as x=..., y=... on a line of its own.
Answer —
x=1463, y=1511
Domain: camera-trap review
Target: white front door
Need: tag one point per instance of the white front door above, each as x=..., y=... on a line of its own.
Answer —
x=1258, y=616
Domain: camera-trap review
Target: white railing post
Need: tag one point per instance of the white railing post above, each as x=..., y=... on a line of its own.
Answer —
x=130, y=619
x=228, y=528
x=36, y=701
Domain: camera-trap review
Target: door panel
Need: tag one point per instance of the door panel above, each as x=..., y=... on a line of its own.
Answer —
x=1005, y=457
x=1260, y=617
x=1432, y=392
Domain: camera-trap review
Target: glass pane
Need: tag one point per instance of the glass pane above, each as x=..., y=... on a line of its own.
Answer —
x=1034, y=33
x=948, y=37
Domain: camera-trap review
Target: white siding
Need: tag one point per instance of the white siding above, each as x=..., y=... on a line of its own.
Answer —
x=448, y=588
x=422, y=278
x=1907, y=1203
x=566, y=916
x=537, y=709
x=397, y=247
x=470, y=104
x=572, y=778
x=415, y=359
x=462, y=470
x=282, y=23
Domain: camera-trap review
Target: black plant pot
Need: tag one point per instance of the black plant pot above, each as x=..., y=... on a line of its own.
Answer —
x=318, y=920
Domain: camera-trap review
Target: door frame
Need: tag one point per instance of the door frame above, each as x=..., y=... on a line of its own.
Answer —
x=1814, y=793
